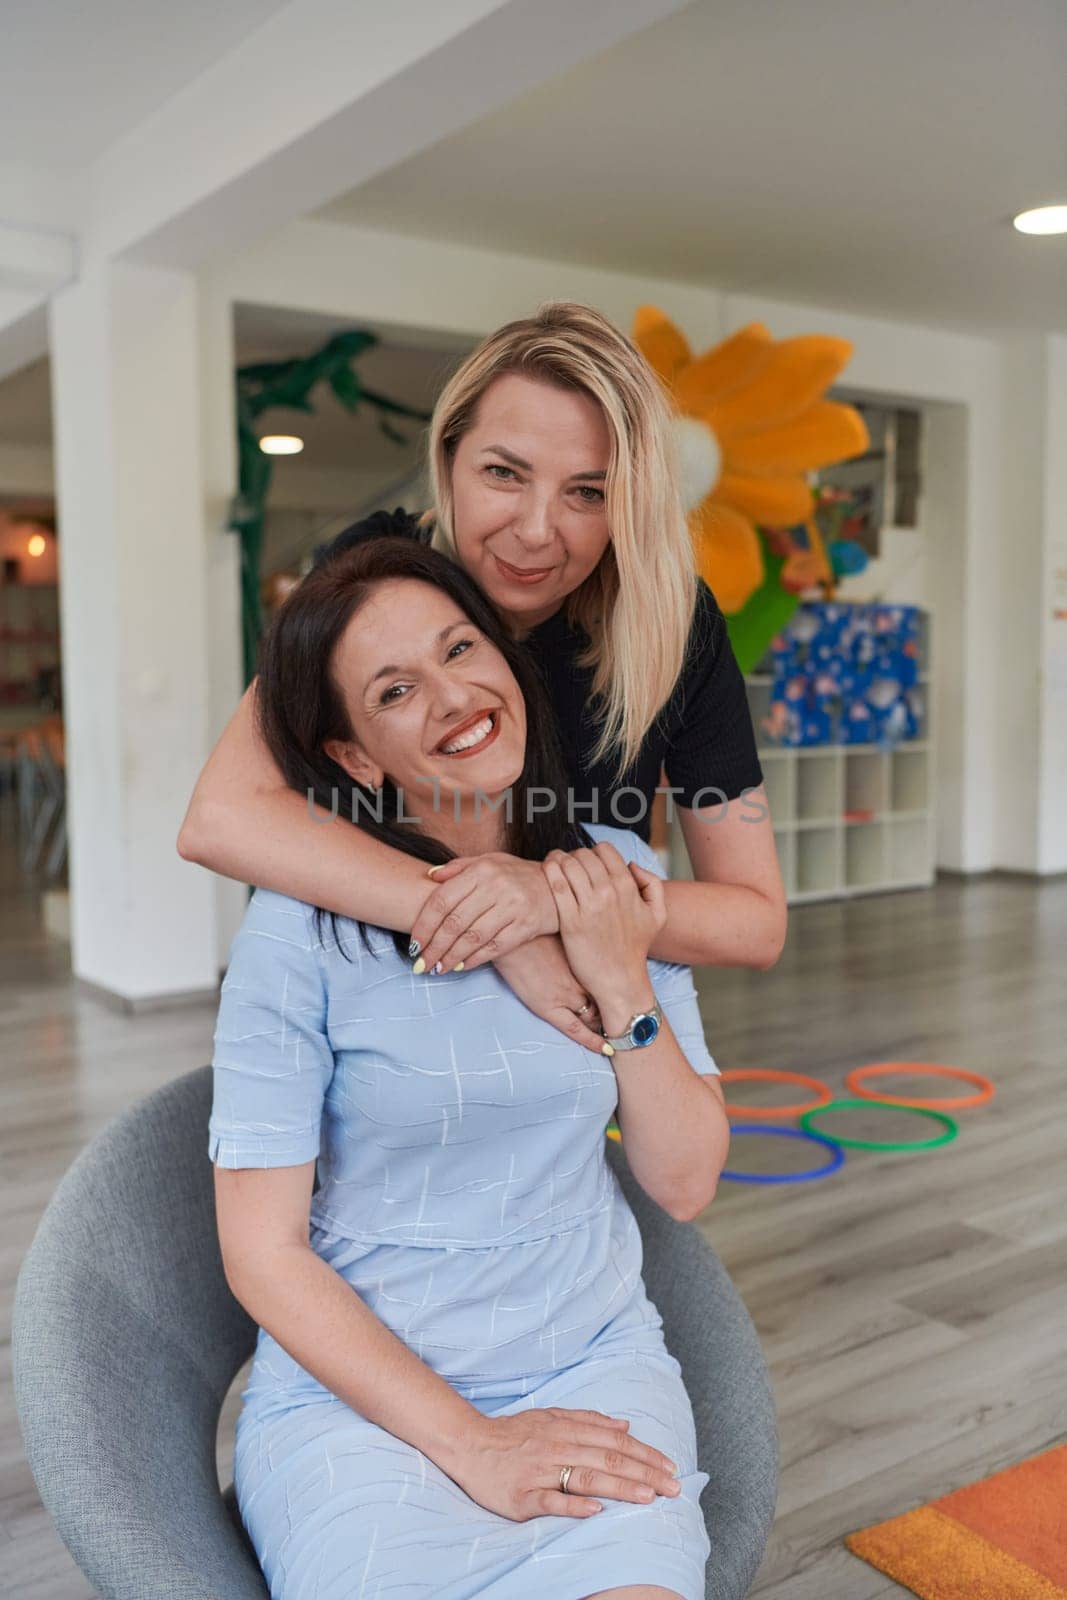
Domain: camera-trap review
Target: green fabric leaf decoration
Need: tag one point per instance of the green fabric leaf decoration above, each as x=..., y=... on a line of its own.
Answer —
x=287, y=385
x=394, y=406
x=346, y=386
x=763, y=615
x=392, y=433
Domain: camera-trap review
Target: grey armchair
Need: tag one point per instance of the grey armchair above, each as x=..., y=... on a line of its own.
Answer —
x=126, y=1339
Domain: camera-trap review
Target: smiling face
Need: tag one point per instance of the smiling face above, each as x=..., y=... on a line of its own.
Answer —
x=528, y=477
x=432, y=705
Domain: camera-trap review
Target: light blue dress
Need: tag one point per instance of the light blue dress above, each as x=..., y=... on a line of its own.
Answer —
x=466, y=1197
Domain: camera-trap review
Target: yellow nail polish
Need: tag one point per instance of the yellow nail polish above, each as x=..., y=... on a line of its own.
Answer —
x=458, y=967
x=420, y=966
x=607, y=1049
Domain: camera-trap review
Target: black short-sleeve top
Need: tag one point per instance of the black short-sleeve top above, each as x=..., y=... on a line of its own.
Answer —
x=702, y=739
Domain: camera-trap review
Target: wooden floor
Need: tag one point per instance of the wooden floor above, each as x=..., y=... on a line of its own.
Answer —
x=912, y=1307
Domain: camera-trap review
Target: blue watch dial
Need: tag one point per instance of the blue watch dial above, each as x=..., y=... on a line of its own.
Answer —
x=644, y=1030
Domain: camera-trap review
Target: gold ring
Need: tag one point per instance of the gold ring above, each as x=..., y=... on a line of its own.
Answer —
x=581, y=1009
x=564, y=1478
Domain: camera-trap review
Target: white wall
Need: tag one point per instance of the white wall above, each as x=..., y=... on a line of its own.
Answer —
x=358, y=274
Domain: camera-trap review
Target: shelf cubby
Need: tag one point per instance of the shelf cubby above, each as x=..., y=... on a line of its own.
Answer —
x=818, y=861
x=909, y=788
x=865, y=855
x=818, y=777
x=779, y=780
x=908, y=849
x=865, y=781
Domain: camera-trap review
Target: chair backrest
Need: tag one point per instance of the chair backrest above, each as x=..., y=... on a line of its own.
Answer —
x=707, y=1328
x=126, y=1339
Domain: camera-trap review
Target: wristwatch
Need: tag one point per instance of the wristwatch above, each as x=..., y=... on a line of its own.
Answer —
x=642, y=1029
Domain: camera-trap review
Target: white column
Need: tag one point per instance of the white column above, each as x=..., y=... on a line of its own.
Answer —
x=222, y=566
x=133, y=594
x=1032, y=626
x=1052, y=826
x=1017, y=640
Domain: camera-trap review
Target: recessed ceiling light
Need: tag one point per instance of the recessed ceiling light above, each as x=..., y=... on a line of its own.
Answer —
x=281, y=444
x=1045, y=219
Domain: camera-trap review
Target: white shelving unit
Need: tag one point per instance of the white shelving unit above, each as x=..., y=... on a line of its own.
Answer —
x=823, y=854
x=823, y=851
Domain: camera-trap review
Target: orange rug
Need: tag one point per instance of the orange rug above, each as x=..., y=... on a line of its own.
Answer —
x=1002, y=1539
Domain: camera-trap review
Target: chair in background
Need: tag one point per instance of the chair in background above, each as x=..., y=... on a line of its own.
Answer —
x=42, y=795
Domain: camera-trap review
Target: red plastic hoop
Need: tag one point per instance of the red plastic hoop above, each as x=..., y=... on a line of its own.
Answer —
x=854, y=1085
x=775, y=1075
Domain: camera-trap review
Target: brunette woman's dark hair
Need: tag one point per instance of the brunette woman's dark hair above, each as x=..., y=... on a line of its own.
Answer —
x=300, y=708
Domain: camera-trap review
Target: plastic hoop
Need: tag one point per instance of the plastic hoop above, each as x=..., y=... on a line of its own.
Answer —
x=951, y=1129
x=837, y=1156
x=775, y=1075
x=854, y=1085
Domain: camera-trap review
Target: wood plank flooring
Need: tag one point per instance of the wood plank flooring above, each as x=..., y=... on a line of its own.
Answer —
x=912, y=1307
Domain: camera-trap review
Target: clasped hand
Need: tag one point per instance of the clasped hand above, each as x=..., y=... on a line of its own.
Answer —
x=552, y=928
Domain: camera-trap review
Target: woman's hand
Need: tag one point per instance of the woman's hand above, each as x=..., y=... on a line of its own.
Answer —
x=540, y=976
x=609, y=912
x=511, y=1465
x=484, y=907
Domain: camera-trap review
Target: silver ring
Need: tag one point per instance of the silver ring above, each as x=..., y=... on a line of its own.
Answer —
x=581, y=1009
x=564, y=1478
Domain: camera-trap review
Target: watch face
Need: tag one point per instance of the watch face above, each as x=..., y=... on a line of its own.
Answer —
x=644, y=1030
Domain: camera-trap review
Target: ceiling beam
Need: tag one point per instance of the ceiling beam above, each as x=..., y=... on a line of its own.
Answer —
x=323, y=96
x=34, y=260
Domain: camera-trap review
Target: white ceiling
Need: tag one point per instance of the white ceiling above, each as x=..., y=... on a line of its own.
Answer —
x=862, y=155
x=74, y=77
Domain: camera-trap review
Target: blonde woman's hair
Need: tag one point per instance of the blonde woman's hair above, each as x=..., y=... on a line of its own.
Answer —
x=637, y=605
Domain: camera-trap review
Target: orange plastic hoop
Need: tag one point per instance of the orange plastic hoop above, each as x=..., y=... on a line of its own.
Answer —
x=854, y=1085
x=774, y=1075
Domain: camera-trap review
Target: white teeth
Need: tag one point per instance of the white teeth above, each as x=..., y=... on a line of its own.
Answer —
x=481, y=730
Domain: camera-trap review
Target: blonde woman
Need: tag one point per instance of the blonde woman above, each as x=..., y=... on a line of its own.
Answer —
x=555, y=488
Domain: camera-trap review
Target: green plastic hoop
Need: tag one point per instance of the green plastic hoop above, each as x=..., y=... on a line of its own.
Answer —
x=951, y=1128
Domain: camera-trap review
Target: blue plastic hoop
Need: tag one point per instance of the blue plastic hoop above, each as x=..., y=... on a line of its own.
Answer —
x=837, y=1155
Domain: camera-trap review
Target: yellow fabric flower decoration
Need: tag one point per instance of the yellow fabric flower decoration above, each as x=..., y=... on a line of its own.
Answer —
x=751, y=422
